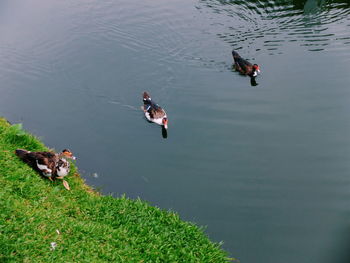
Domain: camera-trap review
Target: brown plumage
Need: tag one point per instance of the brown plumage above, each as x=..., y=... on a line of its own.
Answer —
x=48, y=164
x=243, y=66
x=153, y=112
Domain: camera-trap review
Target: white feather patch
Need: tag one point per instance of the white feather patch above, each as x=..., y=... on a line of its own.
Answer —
x=158, y=121
x=63, y=170
x=42, y=167
x=148, y=117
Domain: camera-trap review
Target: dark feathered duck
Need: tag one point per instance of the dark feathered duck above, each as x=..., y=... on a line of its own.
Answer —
x=153, y=112
x=243, y=66
x=49, y=164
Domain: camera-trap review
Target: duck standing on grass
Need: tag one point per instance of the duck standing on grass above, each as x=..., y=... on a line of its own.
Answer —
x=155, y=113
x=51, y=165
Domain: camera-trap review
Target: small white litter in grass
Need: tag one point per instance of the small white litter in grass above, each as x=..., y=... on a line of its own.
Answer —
x=58, y=232
x=53, y=246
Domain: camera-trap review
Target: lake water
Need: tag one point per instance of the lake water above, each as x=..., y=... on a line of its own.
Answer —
x=266, y=169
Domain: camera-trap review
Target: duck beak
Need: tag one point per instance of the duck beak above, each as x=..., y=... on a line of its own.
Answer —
x=165, y=123
x=68, y=155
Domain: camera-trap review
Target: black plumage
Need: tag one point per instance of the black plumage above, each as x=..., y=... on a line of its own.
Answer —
x=244, y=66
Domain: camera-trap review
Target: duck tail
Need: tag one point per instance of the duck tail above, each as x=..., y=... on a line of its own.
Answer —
x=21, y=153
x=146, y=97
x=235, y=54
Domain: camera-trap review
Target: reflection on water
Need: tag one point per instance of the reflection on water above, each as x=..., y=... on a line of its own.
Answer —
x=314, y=5
x=268, y=25
x=253, y=81
x=164, y=133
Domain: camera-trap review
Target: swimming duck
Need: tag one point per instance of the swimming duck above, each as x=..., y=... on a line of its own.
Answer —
x=51, y=165
x=153, y=112
x=243, y=66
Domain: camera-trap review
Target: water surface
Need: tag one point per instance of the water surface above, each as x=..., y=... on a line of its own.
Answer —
x=265, y=168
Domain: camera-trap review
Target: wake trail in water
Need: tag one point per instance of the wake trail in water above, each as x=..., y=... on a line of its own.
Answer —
x=130, y=107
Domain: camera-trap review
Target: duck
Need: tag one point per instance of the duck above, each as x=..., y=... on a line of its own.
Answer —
x=50, y=165
x=153, y=112
x=243, y=66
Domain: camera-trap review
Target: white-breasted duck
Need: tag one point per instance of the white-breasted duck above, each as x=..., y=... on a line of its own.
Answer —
x=243, y=66
x=49, y=164
x=153, y=112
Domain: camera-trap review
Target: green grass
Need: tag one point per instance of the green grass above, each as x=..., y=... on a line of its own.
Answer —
x=86, y=226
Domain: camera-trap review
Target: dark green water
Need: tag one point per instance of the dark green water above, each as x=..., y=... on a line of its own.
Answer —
x=265, y=168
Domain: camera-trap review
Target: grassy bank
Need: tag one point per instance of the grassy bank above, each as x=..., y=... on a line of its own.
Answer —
x=40, y=221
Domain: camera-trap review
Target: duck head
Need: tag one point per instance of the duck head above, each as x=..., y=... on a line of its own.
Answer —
x=67, y=153
x=165, y=123
x=256, y=70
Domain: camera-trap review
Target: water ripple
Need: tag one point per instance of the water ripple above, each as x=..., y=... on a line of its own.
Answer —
x=313, y=24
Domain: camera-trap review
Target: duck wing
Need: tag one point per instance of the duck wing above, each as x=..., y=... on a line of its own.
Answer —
x=43, y=162
x=243, y=65
x=153, y=109
x=156, y=112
